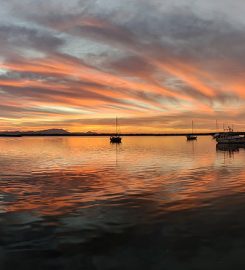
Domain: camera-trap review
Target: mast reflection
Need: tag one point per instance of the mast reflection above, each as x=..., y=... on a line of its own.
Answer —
x=229, y=150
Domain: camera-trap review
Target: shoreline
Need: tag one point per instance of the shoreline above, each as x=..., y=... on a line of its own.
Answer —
x=110, y=134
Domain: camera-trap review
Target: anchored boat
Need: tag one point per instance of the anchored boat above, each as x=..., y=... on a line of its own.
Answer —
x=230, y=137
x=191, y=137
x=216, y=135
x=116, y=138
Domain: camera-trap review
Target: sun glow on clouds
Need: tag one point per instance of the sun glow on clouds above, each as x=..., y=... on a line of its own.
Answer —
x=3, y=71
x=77, y=65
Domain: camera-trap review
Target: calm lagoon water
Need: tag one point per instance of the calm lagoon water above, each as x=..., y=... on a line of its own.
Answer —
x=148, y=203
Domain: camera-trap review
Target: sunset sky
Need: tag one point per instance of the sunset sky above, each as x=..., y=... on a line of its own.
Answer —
x=155, y=64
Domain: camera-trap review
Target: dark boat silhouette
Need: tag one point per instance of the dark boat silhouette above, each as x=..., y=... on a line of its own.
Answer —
x=230, y=137
x=191, y=137
x=116, y=138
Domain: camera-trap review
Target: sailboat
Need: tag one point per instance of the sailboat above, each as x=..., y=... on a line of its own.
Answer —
x=191, y=137
x=116, y=138
x=217, y=134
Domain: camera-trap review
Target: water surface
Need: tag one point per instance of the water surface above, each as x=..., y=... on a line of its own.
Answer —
x=148, y=203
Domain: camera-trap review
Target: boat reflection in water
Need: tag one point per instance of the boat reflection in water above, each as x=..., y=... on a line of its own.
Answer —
x=229, y=150
x=229, y=147
x=148, y=203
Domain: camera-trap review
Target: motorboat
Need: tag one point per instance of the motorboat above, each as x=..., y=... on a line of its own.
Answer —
x=230, y=137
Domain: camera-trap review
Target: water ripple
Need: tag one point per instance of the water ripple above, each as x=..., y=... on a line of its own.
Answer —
x=95, y=200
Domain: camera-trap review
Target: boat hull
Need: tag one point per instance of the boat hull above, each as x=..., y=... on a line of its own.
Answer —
x=191, y=138
x=115, y=139
x=231, y=140
x=216, y=136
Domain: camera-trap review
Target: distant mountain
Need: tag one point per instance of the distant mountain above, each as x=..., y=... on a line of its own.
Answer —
x=91, y=132
x=47, y=132
x=39, y=132
x=10, y=133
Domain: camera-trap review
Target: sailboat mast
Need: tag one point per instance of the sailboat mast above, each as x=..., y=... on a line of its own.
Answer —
x=192, y=126
x=116, y=125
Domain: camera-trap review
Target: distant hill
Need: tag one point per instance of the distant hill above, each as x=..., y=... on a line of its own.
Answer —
x=90, y=133
x=39, y=132
x=10, y=133
x=47, y=132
